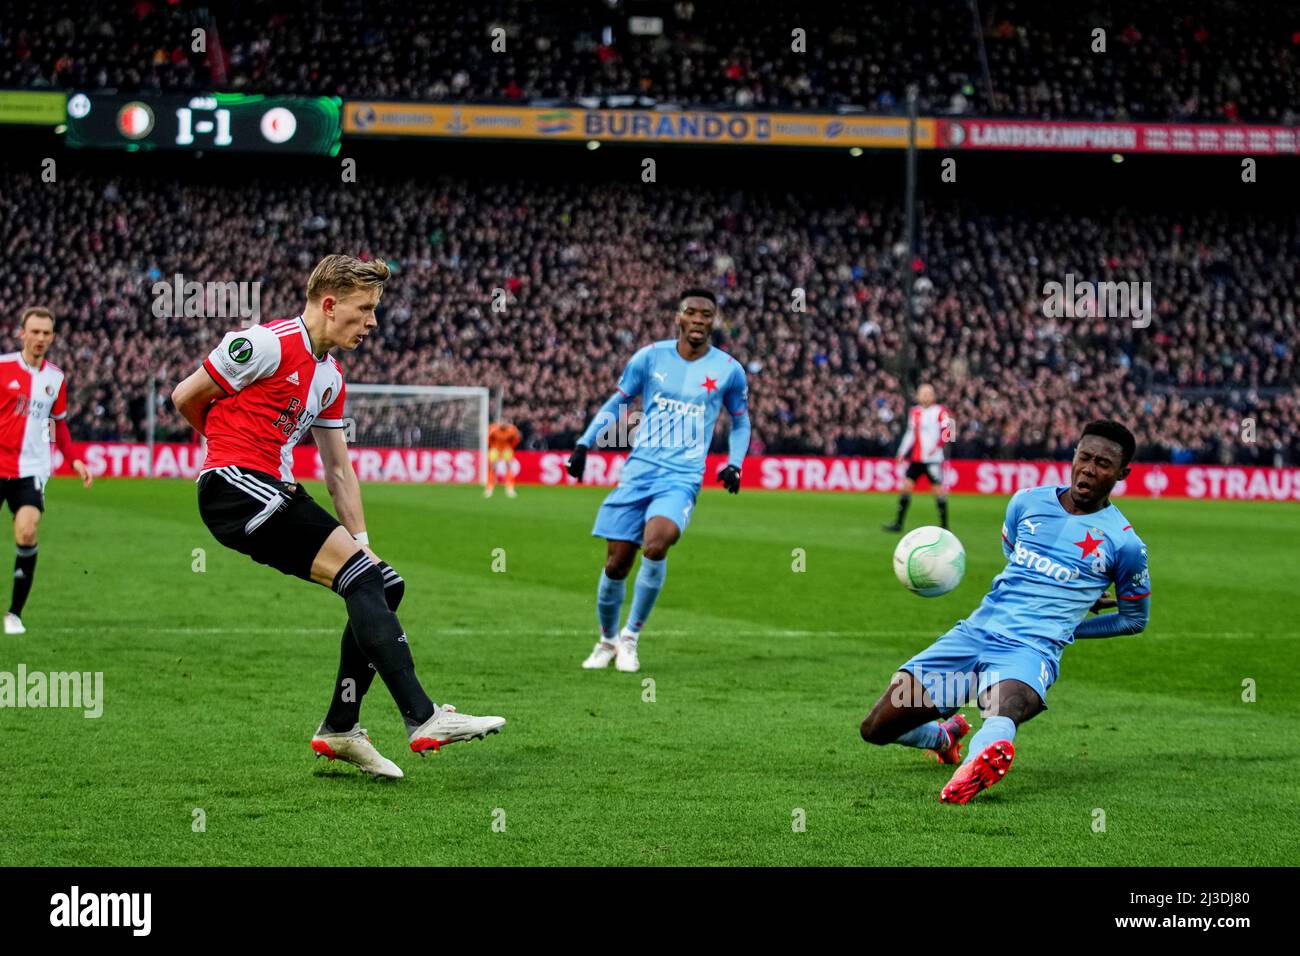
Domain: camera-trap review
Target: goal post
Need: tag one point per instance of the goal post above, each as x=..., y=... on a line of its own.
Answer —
x=419, y=416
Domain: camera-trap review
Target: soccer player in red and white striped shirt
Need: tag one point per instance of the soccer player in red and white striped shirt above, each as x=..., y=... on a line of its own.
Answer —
x=929, y=428
x=33, y=391
x=254, y=397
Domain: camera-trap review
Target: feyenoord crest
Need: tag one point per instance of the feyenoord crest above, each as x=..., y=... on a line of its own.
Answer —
x=241, y=350
x=49, y=390
x=325, y=399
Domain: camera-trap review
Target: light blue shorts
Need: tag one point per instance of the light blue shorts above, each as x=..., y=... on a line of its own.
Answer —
x=626, y=509
x=970, y=657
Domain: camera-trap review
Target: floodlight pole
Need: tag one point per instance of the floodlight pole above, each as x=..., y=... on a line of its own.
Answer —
x=906, y=378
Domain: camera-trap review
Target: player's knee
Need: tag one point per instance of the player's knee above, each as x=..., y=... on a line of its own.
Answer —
x=865, y=728
x=359, y=577
x=873, y=732
x=656, y=550
x=25, y=537
x=617, y=567
x=1017, y=704
x=394, y=586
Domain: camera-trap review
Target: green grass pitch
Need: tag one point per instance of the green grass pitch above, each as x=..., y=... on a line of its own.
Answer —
x=215, y=681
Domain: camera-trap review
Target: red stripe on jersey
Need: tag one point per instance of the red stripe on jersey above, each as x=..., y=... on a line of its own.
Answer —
x=1127, y=527
x=1134, y=597
x=217, y=377
x=916, y=433
x=60, y=409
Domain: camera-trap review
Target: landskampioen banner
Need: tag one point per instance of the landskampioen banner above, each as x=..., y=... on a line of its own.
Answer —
x=1067, y=136
x=771, y=472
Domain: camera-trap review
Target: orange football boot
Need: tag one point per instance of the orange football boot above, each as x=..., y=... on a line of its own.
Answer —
x=957, y=727
x=979, y=774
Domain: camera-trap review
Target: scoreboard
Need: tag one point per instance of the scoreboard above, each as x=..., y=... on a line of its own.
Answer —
x=236, y=122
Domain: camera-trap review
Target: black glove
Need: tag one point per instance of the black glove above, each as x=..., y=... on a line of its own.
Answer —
x=730, y=478
x=577, y=462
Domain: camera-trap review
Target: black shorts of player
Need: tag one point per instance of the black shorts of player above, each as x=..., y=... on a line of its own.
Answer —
x=934, y=472
x=23, y=491
x=271, y=521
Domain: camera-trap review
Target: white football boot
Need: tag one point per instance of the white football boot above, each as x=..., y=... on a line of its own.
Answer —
x=356, y=748
x=13, y=625
x=600, y=655
x=626, y=659
x=446, y=727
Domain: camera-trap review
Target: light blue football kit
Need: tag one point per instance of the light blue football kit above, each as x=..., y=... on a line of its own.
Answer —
x=1058, y=565
x=680, y=404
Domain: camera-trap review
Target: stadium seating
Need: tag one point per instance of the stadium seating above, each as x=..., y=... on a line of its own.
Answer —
x=823, y=381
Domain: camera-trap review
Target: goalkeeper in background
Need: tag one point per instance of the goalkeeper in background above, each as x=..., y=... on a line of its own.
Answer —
x=503, y=439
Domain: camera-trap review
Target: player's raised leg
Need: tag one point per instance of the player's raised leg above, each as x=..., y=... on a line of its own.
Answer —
x=355, y=575
x=610, y=592
x=1004, y=706
x=26, y=520
x=906, y=715
x=340, y=735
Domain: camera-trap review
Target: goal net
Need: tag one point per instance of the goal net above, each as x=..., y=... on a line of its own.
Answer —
x=420, y=418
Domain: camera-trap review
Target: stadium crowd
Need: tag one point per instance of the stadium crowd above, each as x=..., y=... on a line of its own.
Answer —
x=1199, y=60
x=588, y=276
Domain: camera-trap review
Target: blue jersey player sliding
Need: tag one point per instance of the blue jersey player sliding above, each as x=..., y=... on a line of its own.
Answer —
x=683, y=384
x=1064, y=548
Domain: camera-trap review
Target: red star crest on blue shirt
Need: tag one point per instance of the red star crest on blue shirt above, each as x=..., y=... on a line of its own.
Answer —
x=710, y=385
x=1089, y=544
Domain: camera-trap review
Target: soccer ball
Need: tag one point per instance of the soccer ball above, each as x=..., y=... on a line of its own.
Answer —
x=929, y=561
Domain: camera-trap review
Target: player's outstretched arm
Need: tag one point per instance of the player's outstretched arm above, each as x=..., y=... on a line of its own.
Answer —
x=604, y=419
x=341, y=480
x=1131, y=618
x=193, y=396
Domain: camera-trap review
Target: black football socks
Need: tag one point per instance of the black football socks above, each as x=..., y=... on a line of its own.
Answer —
x=903, y=501
x=24, y=571
x=380, y=637
x=355, y=670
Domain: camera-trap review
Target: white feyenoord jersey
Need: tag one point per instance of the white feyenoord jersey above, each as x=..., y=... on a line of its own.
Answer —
x=28, y=397
x=276, y=389
x=928, y=430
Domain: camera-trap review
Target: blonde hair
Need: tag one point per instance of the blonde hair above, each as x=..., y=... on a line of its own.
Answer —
x=343, y=275
x=35, y=310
